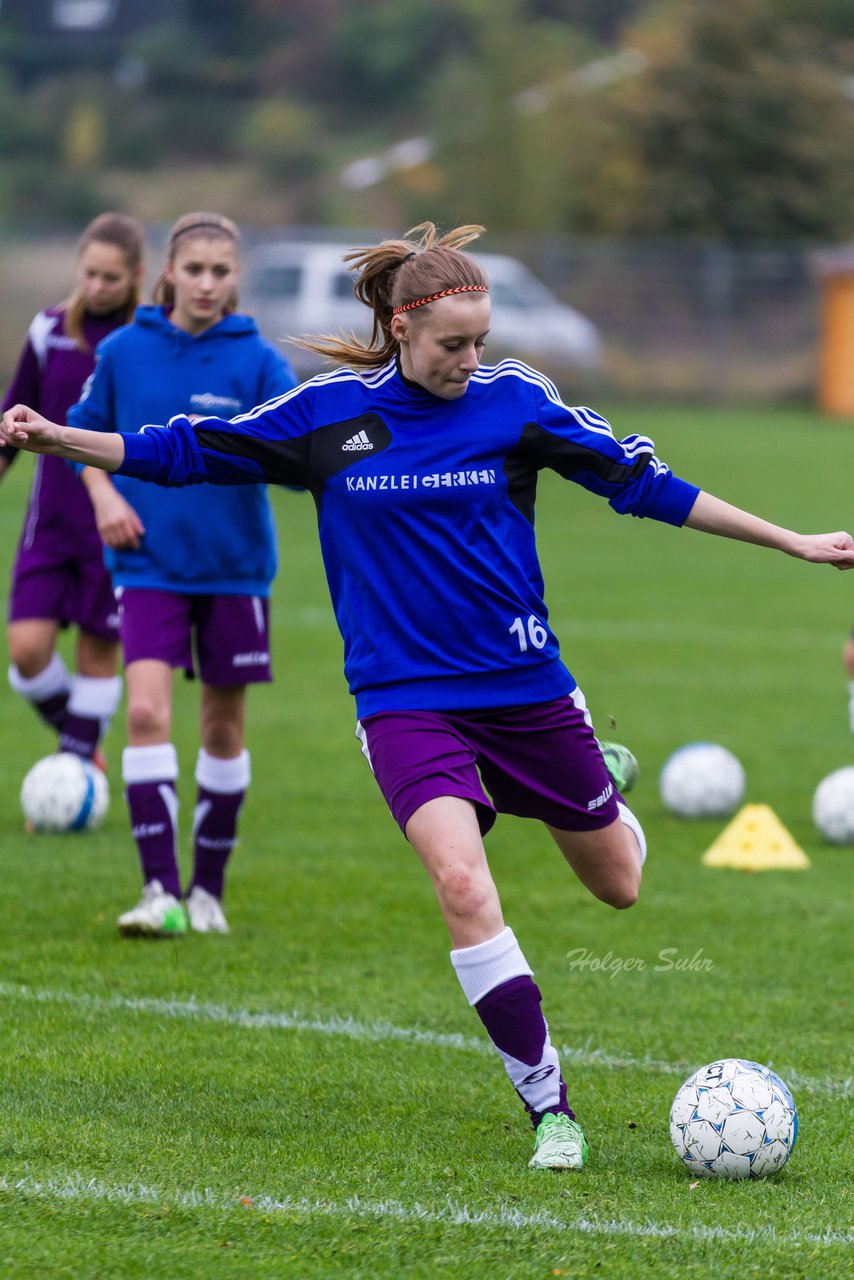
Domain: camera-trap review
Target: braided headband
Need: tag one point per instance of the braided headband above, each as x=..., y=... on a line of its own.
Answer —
x=445, y=293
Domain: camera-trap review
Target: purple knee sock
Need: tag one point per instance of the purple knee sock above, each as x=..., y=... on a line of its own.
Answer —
x=222, y=787
x=80, y=734
x=92, y=704
x=513, y=1017
x=48, y=692
x=150, y=774
x=153, y=809
x=54, y=711
x=499, y=984
x=214, y=837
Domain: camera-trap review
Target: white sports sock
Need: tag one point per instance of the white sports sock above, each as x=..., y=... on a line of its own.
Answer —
x=629, y=820
x=487, y=964
x=224, y=776
x=95, y=696
x=47, y=684
x=150, y=764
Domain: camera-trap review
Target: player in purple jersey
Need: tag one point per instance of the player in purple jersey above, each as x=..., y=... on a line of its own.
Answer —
x=193, y=581
x=424, y=466
x=59, y=577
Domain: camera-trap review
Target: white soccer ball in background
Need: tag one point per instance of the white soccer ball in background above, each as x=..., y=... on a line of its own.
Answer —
x=63, y=792
x=702, y=780
x=833, y=806
x=734, y=1119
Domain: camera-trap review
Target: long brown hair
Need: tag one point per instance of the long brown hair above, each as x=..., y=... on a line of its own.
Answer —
x=125, y=234
x=394, y=273
x=209, y=226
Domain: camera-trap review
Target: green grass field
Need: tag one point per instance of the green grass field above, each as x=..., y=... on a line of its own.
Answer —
x=311, y=1096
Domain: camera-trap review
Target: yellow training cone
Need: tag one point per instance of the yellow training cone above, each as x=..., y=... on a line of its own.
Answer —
x=756, y=840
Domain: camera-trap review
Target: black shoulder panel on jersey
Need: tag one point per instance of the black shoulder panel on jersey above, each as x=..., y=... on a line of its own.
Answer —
x=538, y=449
x=307, y=460
x=282, y=461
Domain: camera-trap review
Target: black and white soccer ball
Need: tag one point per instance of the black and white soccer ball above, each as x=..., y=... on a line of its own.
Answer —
x=64, y=792
x=833, y=806
x=734, y=1119
x=702, y=780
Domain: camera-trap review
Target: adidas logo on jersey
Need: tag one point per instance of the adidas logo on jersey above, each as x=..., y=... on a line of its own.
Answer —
x=359, y=443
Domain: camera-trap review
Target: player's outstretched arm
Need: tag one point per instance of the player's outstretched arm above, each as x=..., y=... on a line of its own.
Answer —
x=712, y=515
x=26, y=429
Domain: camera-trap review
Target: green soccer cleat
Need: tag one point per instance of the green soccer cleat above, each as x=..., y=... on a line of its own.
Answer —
x=157, y=915
x=621, y=765
x=559, y=1144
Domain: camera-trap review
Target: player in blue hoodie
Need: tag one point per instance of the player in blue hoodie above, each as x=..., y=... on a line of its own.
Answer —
x=423, y=464
x=192, y=577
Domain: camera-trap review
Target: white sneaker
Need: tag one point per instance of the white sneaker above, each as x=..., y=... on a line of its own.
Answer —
x=205, y=912
x=157, y=915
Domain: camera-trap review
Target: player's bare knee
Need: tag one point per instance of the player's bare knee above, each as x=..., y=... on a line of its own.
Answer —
x=145, y=720
x=623, y=896
x=223, y=740
x=460, y=892
x=29, y=659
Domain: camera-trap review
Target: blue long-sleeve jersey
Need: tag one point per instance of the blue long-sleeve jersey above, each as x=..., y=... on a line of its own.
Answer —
x=213, y=540
x=426, y=518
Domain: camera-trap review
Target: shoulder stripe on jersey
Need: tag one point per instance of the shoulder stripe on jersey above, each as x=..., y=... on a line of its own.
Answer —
x=633, y=444
x=321, y=381
x=518, y=369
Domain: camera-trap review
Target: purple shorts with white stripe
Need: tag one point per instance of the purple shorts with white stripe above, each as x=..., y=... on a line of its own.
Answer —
x=541, y=761
x=224, y=639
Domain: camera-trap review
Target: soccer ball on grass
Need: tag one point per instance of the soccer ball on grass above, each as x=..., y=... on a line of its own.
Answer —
x=833, y=806
x=734, y=1119
x=64, y=792
x=702, y=780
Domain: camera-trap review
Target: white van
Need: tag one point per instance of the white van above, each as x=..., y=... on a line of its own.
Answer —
x=295, y=287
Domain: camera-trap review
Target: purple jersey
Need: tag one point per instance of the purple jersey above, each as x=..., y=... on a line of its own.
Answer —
x=50, y=374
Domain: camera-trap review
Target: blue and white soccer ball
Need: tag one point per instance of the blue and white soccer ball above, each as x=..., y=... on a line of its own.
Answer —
x=833, y=806
x=702, y=780
x=734, y=1119
x=63, y=792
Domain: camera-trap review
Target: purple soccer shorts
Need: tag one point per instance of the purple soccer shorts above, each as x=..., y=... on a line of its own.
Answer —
x=540, y=761
x=68, y=587
x=224, y=639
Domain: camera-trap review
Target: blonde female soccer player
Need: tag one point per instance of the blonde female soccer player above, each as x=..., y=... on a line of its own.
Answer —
x=193, y=576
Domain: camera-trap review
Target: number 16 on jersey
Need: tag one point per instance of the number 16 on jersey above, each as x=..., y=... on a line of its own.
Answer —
x=531, y=632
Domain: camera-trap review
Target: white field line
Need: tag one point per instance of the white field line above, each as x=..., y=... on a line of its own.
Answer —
x=76, y=1187
x=376, y=1031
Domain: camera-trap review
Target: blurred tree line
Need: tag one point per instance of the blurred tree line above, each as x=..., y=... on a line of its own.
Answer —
x=720, y=119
